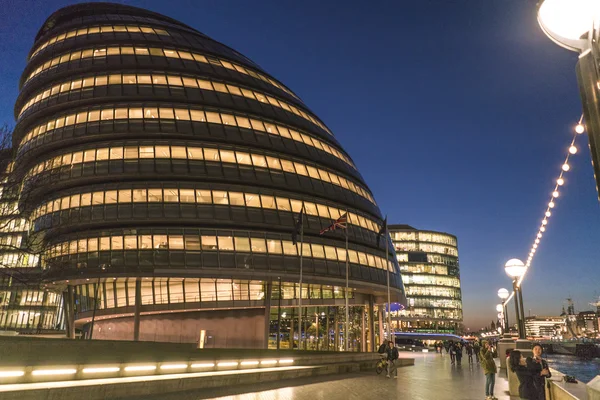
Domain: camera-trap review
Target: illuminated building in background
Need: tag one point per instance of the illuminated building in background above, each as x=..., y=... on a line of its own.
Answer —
x=25, y=305
x=545, y=327
x=430, y=271
x=164, y=172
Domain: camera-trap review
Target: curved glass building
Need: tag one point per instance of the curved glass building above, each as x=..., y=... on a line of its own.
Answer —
x=430, y=272
x=164, y=173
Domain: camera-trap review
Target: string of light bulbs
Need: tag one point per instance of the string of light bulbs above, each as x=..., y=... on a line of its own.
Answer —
x=560, y=181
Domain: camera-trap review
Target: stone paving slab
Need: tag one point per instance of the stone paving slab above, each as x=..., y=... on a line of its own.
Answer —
x=432, y=378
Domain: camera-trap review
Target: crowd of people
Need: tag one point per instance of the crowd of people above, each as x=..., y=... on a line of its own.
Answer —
x=531, y=371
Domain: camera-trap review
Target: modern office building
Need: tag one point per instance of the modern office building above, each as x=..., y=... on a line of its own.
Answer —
x=25, y=305
x=163, y=172
x=430, y=271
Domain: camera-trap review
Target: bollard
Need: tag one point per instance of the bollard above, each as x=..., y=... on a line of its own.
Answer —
x=505, y=344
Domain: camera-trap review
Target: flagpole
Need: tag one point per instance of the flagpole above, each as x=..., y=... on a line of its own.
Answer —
x=300, y=294
x=347, y=294
x=387, y=267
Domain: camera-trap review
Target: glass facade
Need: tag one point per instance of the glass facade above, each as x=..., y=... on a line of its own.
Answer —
x=162, y=170
x=430, y=272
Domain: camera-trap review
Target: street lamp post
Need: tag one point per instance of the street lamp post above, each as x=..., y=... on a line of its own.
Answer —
x=500, y=310
x=574, y=25
x=515, y=269
x=503, y=294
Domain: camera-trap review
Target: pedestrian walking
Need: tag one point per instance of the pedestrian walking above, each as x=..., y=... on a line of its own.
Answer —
x=476, y=349
x=487, y=355
x=393, y=355
x=539, y=371
x=518, y=364
x=470, y=352
x=459, y=352
x=452, y=351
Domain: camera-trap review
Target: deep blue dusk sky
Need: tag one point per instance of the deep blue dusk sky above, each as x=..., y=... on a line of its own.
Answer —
x=457, y=113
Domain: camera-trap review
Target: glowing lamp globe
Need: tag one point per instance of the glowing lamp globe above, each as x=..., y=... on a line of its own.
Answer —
x=499, y=308
x=514, y=268
x=579, y=128
x=503, y=294
x=566, y=21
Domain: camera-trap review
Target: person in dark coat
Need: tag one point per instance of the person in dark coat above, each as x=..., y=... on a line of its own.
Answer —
x=518, y=364
x=458, y=348
x=539, y=370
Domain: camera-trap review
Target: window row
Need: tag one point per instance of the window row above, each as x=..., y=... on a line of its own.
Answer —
x=431, y=280
x=14, y=224
x=120, y=292
x=214, y=243
x=17, y=259
x=435, y=303
x=198, y=153
x=433, y=291
x=92, y=30
x=159, y=52
x=426, y=313
x=423, y=269
x=415, y=236
x=199, y=196
x=166, y=80
x=10, y=241
x=27, y=297
x=183, y=114
x=425, y=247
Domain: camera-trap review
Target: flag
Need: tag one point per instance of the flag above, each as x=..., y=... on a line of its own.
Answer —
x=382, y=231
x=298, y=226
x=339, y=223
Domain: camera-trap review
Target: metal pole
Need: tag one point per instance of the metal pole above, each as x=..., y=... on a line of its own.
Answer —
x=389, y=303
x=505, y=316
x=95, y=307
x=300, y=293
x=347, y=294
x=516, y=298
x=279, y=314
x=522, y=313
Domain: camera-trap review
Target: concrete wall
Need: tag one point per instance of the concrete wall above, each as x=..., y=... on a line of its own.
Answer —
x=241, y=328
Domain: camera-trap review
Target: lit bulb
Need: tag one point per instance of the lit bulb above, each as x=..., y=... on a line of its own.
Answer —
x=560, y=181
x=539, y=235
x=548, y=213
x=572, y=149
x=543, y=229
x=555, y=194
x=534, y=247
x=537, y=241
x=579, y=128
x=551, y=204
x=544, y=222
x=566, y=167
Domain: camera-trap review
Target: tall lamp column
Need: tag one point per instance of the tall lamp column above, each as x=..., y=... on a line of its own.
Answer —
x=503, y=294
x=515, y=269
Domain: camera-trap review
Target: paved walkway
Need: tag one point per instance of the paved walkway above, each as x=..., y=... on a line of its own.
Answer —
x=431, y=378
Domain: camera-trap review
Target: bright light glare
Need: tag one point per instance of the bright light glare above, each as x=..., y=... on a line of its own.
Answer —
x=9, y=374
x=566, y=167
x=134, y=368
x=579, y=128
x=41, y=372
x=543, y=229
x=246, y=363
x=555, y=194
x=560, y=181
x=514, y=268
x=227, y=364
x=100, y=370
x=203, y=365
x=286, y=361
x=551, y=204
x=573, y=150
x=173, y=366
x=568, y=19
x=268, y=362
